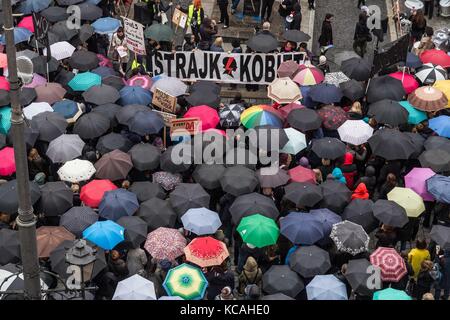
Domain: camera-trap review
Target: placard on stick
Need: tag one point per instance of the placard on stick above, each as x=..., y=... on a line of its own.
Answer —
x=181, y=127
x=164, y=101
x=167, y=117
x=179, y=18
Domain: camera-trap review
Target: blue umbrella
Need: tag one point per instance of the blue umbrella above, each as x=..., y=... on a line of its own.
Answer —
x=29, y=6
x=440, y=125
x=325, y=93
x=5, y=119
x=302, y=228
x=20, y=35
x=413, y=61
x=118, y=203
x=327, y=217
x=135, y=95
x=326, y=287
x=438, y=185
x=306, y=100
x=201, y=221
x=105, y=234
x=146, y=122
x=67, y=108
x=106, y=25
x=94, y=2
x=104, y=72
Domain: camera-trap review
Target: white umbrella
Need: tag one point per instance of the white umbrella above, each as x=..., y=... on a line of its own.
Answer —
x=355, y=132
x=64, y=148
x=429, y=73
x=336, y=78
x=201, y=221
x=283, y=90
x=76, y=170
x=35, y=108
x=14, y=280
x=135, y=288
x=60, y=50
x=296, y=143
x=173, y=86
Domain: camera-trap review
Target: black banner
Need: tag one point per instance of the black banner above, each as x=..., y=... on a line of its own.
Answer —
x=41, y=26
x=390, y=54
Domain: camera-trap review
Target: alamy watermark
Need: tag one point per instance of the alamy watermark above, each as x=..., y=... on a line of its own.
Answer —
x=74, y=20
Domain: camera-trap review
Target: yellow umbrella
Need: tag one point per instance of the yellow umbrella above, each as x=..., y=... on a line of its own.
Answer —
x=444, y=86
x=409, y=200
x=284, y=90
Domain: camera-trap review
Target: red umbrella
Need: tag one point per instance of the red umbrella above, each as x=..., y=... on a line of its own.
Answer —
x=4, y=84
x=206, y=252
x=302, y=174
x=207, y=115
x=165, y=243
x=7, y=162
x=288, y=108
x=436, y=56
x=92, y=193
x=409, y=82
x=392, y=265
x=27, y=23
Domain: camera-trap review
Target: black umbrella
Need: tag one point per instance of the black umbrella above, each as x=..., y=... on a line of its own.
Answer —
x=352, y=89
x=27, y=96
x=2, y=141
x=390, y=213
x=108, y=110
x=55, y=14
x=239, y=180
x=436, y=159
x=309, y=261
x=200, y=97
x=31, y=135
x=83, y=60
x=167, y=164
x=63, y=77
x=56, y=198
x=263, y=42
x=253, y=203
x=304, y=119
x=145, y=156
x=358, y=276
x=128, y=112
x=350, y=237
x=4, y=98
x=328, y=148
x=86, y=31
x=135, y=231
x=145, y=190
x=357, y=69
x=188, y=195
x=296, y=36
x=277, y=296
x=63, y=31
x=388, y=112
x=91, y=125
x=436, y=142
x=209, y=175
x=269, y=138
x=113, y=141
x=441, y=235
x=104, y=72
x=114, y=81
x=241, y=156
x=385, y=87
x=52, y=39
x=10, y=199
x=90, y=11
x=9, y=246
x=101, y=94
x=76, y=219
x=203, y=86
x=49, y=124
x=157, y=213
x=391, y=144
x=360, y=212
x=40, y=65
x=281, y=279
x=418, y=141
x=325, y=93
x=146, y=122
x=303, y=194
x=336, y=196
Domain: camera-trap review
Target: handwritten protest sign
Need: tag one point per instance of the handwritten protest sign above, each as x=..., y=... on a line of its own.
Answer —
x=164, y=101
x=134, y=33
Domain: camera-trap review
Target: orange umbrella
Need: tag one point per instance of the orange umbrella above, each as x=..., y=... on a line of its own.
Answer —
x=206, y=252
x=48, y=238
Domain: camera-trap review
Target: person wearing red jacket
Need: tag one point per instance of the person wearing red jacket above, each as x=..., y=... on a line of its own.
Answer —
x=349, y=170
x=360, y=192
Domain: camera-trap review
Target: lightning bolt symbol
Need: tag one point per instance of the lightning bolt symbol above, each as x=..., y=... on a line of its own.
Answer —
x=228, y=68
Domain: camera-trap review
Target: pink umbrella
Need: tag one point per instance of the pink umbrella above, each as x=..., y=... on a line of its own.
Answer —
x=38, y=80
x=7, y=162
x=27, y=23
x=104, y=61
x=3, y=60
x=409, y=82
x=141, y=81
x=288, y=108
x=207, y=115
x=416, y=180
x=50, y=92
x=218, y=131
x=4, y=84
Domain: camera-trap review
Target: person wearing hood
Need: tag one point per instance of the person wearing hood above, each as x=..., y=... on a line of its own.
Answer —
x=225, y=294
x=349, y=170
x=250, y=275
x=360, y=192
x=362, y=35
x=337, y=175
x=297, y=19
x=369, y=179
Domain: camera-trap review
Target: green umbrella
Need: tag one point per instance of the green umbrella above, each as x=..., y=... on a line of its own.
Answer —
x=258, y=230
x=5, y=119
x=415, y=116
x=83, y=81
x=391, y=294
x=186, y=281
x=159, y=32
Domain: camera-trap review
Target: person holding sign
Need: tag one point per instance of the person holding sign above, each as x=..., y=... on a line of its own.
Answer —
x=196, y=15
x=158, y=11
x=118, y=51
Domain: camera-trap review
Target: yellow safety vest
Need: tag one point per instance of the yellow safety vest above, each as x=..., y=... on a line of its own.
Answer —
x=135, y=64
x=191, y=14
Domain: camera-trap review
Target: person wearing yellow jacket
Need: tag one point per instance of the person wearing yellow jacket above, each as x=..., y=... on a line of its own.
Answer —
x=196, y=15
x=417, y=255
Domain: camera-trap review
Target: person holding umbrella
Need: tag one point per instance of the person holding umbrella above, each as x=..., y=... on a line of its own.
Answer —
x=218, y=278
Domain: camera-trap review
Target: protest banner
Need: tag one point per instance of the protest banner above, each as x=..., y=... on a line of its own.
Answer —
x=181, y=127
x=134, y=33
x=164, y=100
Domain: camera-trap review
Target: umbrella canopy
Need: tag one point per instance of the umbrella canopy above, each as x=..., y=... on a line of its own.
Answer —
x=4, y=84
x=269, y=178
x=335, y=78
x=428, y=99
x=10, y=200
x=418, y=142
x=207, y=115
x=92, y=193
x=135, y=95
x=308, y=76
x=283, y=90
x=165, y=243
x=209, y=175
x=86, y=32
x=408, y=199
x=260, y=115
x=390, y=213
x=36, y=108
x=436, y=142
x=326, y=287
x=385, y=87
x=253, y=203
x=230, y=115
x=288, y=69
x=127, y=113
x=310, y=261
x=159, y=32
x=413, y=61
x=64, y=148
x=20, y=35
x=239, y=180
x=114, y=81
x=296, y=36
x=135, y=231
x=263, y=43
x=187, y=196
x=106, y=25
x=201, y=221
x=388, y=112
x=84, y=81
x=277, y=296
x=76, y=170
x=157, y=213
x=436, y=159
x=135, y=288
x=40, y=65
x=358, y=277
x=113, y=141
x=27, y=23
x=357, y=69
x=5, y=119
x=409, y=82
x=436, y=56
x=91, y=125
x=105, y=234
x=302, y=228
x=145, y=156
x=60, y=50
x=391, y=294
x=186, y=281
x=145, y=190
x=7, y=162
x=328, y=148
x=332, y=117
x=391, y=144
x=206, y=252
x=303, y=194
x=166, y=162
x=258, y=230
x=171, y=85
x=327, y=217
x=302, y=174
x=360, y=212
x=416, y=179
x=105, y=72
x=392, y=265
x=101, y=94
x=38, y=80
x=83, y=60
x=69, y=109
x=440, y=125
x=296, y=143
x=441, y=235
x=114, y=165
x=350, y=237
x=414, y=116
x=355, y=132
x=90, y=11
x=56, y=198
x=55, y=14
x=48, y=238
x=336, y=195
x=304, y=119
x=49, y=124
x=118, y=203
x=9, y=246
x=77, y=219
x=62, y=31
x=281, y=279
x=352, y=90
x=12, y=278
x=144, y=82
x=108, y=110
x=325, y=93
x=437, y=186
x=444, y=86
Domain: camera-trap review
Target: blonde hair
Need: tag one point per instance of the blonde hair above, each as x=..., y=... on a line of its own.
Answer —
x=356, y=107
x=75, y=188
x=218, y=42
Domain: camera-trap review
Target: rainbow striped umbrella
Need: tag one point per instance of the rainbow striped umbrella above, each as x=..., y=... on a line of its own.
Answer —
x=261, y=115
x=186, y=281
x=309, y=76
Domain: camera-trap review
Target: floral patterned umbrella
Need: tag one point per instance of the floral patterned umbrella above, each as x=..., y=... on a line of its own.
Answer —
x=167, y=180
x=165, y=243
x=206, y=252
x=392, y=265
x=350, y=237
x=332, y=117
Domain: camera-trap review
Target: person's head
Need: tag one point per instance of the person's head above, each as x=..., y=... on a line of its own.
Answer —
x=429, y=31
x=125, y=184
x=226, y=293
x=115, y=254
x=120, y=32
x=329, y=17
x=33, y=154
x=391, y=179
x=197, y=4
x=218, y=42
x=289, y=46
x=428, y=296
x=39, y=178
x=207, y=22
x=165, y=265
x=426, y=265
x=267, y=192
x=356, y=107
x=4, y=217
x=421, y=243
x=236, y=43
x=326, y=162
x=304, y=162
x=266, y=26
x=344, y=268
x=370, y=171
x=250, y=265
x=75, y=188
x=419, y=17
x=252, y=291
x=362, y=17
x=322, y=60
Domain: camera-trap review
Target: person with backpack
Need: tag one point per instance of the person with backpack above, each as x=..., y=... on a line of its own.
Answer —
x=425, y=279
x=251, y=274
x=362, y=35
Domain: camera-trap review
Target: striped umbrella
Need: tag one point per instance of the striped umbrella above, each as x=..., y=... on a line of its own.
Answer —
x=283, y=90
x=165, y=243
x=206, y=252
x=230, y=115
x=392, y=265
x=186, y=281
x=429, y=73
x=409, y=83
x=140, y=81
x=444, y=86
x=355, y=132
x=428, y=99
x=308, y=76
x=436, y=56
x=261, y=115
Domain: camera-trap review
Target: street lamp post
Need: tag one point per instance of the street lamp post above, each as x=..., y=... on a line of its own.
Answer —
x=26, y=220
